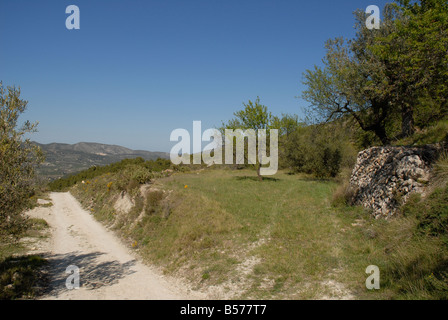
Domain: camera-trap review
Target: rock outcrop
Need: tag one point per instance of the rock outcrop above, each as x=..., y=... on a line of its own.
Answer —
x=385, y=177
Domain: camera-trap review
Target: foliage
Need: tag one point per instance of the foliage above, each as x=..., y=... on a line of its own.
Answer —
x=416, y=60
x=136, y=169
x=352, y=82
x=286, y=125
x=254, y=116
x=387, y=80
x=139, y=174
x=18, y=159
x=19, y=276
x=320, y=150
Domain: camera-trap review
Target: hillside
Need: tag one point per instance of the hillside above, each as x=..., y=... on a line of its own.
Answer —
x=63, y=159
x=278, y=239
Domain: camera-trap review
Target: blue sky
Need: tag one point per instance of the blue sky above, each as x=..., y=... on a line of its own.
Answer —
x=136, y=70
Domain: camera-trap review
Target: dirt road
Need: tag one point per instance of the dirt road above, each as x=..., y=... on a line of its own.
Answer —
x=107, y=268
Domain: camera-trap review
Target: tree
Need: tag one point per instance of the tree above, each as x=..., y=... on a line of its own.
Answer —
x=321, y=150
x=417, y=61
x=18, y=159
x=380, y=77
x=286, y=125
x=352, y=82
x=254, y=116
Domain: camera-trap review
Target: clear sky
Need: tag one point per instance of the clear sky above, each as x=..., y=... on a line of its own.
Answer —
x=136, y=70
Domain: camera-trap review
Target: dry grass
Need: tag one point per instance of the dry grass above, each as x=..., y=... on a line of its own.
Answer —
x=441, y=168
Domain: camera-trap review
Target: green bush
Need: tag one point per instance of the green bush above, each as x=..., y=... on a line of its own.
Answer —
x=330, y=163
x=19, y=276
x=139, y=174
x=319, y=150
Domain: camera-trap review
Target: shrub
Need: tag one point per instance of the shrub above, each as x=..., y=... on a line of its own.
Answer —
x=18, y=159
x=132, y=185
x=330, y=163
x=154, y=197
x=19, y=276
x=153, y=201
x=319, y=151
x=139, y=174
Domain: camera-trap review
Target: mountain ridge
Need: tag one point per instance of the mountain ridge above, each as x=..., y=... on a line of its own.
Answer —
x=63, y=159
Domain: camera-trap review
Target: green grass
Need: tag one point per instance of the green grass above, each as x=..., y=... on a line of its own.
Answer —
x=281, y=238
x=219, y=219
x=270, y=220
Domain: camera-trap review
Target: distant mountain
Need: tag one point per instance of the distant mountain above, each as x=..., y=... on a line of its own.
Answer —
x=63, y=159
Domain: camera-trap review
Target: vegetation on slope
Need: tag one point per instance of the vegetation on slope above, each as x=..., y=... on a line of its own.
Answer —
x=282, y=238
x=137, y=170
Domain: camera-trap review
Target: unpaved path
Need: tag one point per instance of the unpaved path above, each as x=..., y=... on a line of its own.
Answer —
x=107, y=268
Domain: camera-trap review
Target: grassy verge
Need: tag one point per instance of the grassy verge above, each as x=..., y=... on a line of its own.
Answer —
x=278, y=239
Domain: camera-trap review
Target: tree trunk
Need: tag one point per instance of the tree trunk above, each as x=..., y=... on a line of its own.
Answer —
x=377, y=127
x=260, y=177
x=380, y=132
x=407, y=121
